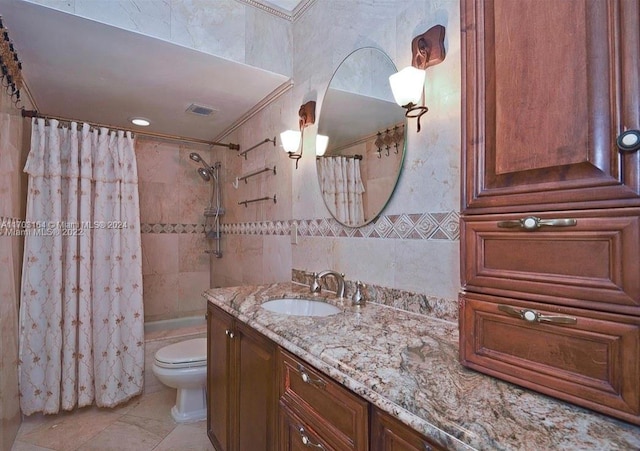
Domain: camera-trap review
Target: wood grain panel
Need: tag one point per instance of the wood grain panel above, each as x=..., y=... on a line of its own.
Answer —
x=539, y=96
x=389, y=434
x=548, y=86
x=593, y=363
x=594, y=264
x=333, y=409
x=219, y=380
x=257, y=406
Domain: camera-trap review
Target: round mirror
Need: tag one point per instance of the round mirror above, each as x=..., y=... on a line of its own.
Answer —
x=361, y=165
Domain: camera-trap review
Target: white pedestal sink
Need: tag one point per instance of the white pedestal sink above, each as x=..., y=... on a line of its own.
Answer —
x=300, y=307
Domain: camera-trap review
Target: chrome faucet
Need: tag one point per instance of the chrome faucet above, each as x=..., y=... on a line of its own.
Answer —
x=315, y=285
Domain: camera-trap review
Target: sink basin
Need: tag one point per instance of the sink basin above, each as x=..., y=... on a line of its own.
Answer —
x=300, y=307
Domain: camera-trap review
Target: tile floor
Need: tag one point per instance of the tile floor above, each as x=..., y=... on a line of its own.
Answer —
x=144, y=423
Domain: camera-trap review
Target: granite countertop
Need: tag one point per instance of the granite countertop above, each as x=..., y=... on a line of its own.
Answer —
x=407, y=364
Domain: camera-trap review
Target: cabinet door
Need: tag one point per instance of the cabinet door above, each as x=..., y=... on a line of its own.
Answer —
x=389, y=434
x=548, y=86
x=257, y=396
x=586, y=357
x=219, y=327
x=298, y=435
x=339, y=416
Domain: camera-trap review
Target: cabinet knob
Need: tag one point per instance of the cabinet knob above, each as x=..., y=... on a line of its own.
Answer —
x=306, y=441
x=629, y=141
x=310, y=380
x=229, y=333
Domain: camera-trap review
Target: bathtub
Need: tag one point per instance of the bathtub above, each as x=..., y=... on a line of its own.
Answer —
x=158, y=334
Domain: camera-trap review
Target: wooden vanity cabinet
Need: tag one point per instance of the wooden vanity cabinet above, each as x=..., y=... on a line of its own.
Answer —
x=548, y=86
x=550, y=224
x=241, y=385
x=330, y=413
x=390, y=434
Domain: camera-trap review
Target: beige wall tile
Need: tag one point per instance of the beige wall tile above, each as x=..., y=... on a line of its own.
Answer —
x=191, y=285
x=160, y=296
x=191, y=250
x=159, y=203
x=160, y=253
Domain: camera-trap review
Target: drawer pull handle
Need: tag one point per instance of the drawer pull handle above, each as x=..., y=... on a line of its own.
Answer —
x=533, y=223
x=532, y=316
x=229, y=333
x=309, y=380
x=306, y=441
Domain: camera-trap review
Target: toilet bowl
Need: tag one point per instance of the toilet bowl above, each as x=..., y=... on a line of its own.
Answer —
x=183, y=366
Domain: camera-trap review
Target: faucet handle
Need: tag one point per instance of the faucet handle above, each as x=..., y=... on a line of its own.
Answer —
x=315, y=287
x=357, y=297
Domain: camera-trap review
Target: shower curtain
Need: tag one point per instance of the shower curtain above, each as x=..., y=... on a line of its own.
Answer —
x=342, y=188
x=81, y=312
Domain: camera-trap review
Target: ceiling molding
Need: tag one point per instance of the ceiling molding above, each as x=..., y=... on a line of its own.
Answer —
x=299, y=10
x=272, y=97
x=302, y=8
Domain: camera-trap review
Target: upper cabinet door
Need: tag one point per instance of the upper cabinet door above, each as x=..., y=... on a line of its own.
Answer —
x=548, y=87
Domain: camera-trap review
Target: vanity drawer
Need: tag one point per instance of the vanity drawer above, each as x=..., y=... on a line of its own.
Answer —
x=593, y=361
x=592, y=264
x=323, y=403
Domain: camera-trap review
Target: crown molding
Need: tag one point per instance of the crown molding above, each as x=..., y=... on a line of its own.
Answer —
x=299, y=10
x=270, y=98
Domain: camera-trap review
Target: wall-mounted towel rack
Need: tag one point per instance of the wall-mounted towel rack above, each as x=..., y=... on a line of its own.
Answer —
x=267, y=140
x=245, y=202
x=251, y=174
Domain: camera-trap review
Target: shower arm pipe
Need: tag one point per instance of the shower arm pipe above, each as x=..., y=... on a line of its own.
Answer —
x=245, y=177
x=246, y=202
x=266, y=140
x=34, y=113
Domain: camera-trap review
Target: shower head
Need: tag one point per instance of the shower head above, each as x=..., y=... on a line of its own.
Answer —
x=198, y=159
x=204, y=173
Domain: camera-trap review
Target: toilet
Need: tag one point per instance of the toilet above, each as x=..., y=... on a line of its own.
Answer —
x=183, y=366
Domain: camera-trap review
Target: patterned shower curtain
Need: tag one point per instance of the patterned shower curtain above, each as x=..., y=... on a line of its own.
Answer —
x=81, y=312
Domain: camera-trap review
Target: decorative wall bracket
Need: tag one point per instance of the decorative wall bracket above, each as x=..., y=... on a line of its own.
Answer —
x=427, y=49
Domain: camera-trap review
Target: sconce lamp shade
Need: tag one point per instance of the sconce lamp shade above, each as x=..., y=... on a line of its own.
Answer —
x=290, y=140
x=407, y=86
x=321, y=144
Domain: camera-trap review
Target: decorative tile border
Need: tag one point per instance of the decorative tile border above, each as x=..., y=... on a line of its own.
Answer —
x=171, y=228
x=441, y=308
x=419, y=226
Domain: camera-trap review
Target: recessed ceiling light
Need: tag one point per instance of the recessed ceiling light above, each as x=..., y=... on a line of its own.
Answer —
x=142, y=122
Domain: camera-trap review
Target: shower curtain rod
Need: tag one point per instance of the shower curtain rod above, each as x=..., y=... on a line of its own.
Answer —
x=34, y=113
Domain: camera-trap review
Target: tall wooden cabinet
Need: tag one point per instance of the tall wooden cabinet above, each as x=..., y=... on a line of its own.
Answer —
x=550, y=228
x=239, y=357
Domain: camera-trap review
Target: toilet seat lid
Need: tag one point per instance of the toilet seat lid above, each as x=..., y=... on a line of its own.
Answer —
x=188, y=351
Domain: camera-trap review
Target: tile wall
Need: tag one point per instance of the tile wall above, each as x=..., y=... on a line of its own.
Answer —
x=173, y=197
x=414, y=245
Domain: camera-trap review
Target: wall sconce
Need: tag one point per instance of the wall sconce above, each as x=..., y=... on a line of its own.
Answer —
x=292, y=140
x=322, y=141
x=408, y=85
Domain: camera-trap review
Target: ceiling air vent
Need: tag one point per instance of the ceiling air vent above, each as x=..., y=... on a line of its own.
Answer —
x=200, y=110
